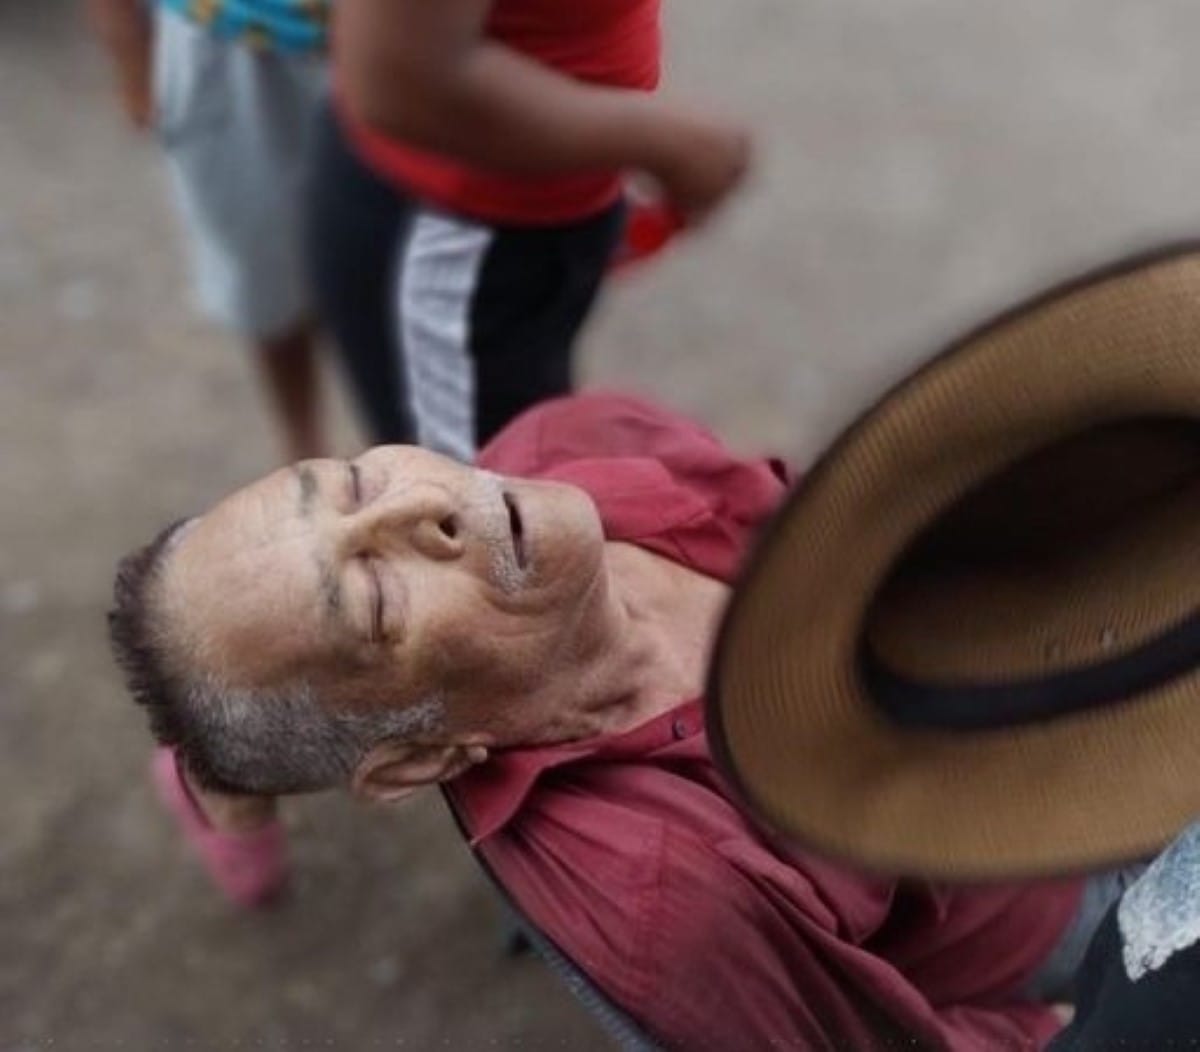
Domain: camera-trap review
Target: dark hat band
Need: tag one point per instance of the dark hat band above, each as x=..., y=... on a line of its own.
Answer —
x=998, y=706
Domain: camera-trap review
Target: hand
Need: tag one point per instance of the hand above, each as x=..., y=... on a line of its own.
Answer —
x=702, y=162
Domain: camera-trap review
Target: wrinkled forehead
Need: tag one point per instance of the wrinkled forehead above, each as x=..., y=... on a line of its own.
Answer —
x=227, y=574
x=251, y=517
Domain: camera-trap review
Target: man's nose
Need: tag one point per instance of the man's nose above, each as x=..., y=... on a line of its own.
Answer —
x=425, y=519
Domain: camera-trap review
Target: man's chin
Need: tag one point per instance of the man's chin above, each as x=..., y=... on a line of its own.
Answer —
x=558, y=506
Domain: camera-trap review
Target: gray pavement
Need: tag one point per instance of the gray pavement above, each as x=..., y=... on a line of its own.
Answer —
x=921, y=164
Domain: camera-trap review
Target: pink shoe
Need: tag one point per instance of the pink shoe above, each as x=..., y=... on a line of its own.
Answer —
x=249, y=868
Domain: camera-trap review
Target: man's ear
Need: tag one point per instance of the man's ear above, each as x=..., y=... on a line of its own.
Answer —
x=394, y=770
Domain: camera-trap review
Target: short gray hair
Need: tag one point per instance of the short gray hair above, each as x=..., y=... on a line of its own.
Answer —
x=286, y=741
x=235, y=740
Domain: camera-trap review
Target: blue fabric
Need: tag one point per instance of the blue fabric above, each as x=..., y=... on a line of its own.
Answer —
x=275, y=25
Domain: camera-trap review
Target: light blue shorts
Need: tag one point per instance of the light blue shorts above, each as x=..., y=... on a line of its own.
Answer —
x=237, y=125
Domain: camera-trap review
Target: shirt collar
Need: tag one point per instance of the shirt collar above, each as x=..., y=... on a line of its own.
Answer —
x=489, y=796
x=636, y=496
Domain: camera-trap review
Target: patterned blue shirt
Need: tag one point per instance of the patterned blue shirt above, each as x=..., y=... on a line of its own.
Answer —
x=275, y=25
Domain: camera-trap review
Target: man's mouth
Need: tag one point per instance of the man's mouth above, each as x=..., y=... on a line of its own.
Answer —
x=516, y=529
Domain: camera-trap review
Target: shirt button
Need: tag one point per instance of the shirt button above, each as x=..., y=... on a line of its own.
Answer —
x=679, y=728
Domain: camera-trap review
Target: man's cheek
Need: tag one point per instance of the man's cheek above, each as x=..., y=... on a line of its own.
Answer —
x=496, y=656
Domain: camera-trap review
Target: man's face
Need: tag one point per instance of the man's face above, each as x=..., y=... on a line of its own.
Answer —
x=389, y=578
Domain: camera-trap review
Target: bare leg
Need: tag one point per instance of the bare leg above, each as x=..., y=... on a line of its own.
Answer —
x=237, y=839
x=287, y=366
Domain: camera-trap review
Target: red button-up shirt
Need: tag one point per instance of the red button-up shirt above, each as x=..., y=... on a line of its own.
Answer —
x=628, y=852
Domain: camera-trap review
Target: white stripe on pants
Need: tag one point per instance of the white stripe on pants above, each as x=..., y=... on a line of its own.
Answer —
x=437, y=276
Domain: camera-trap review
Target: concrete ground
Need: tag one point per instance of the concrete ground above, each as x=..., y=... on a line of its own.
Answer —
x=920, y=165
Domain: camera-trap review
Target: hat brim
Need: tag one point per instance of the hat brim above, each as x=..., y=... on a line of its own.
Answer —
x=791, y=720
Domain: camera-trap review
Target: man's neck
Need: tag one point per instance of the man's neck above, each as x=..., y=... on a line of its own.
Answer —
x=650, y=651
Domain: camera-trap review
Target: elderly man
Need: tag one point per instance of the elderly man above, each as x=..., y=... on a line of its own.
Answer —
x=533, y=633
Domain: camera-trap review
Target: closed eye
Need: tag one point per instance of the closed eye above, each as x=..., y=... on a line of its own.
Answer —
x=355, y=484
x=376, y=601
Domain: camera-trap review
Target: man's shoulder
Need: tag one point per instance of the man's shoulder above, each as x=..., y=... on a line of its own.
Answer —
x=600, y=860
x=620, y=830
x=632, y=883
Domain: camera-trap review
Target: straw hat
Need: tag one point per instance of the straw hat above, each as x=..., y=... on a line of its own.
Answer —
x=969, y=644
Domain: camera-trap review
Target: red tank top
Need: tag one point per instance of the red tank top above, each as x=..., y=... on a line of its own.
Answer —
x=611, y=42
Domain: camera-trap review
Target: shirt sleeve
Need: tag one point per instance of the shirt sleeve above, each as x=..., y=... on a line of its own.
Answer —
x=750, y=961
x=706, y=952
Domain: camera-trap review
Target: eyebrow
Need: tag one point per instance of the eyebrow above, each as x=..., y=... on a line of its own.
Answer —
x=308, y=487
x=330, y=582
x=331, y=588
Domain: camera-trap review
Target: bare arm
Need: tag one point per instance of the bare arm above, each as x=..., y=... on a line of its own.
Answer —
x=423, y=71
x=124, y=28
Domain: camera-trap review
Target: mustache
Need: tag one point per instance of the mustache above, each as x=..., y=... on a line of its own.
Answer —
x=488, y=495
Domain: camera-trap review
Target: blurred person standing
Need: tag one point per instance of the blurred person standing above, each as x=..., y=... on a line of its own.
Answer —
x=468, y=197
x=231, y=89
